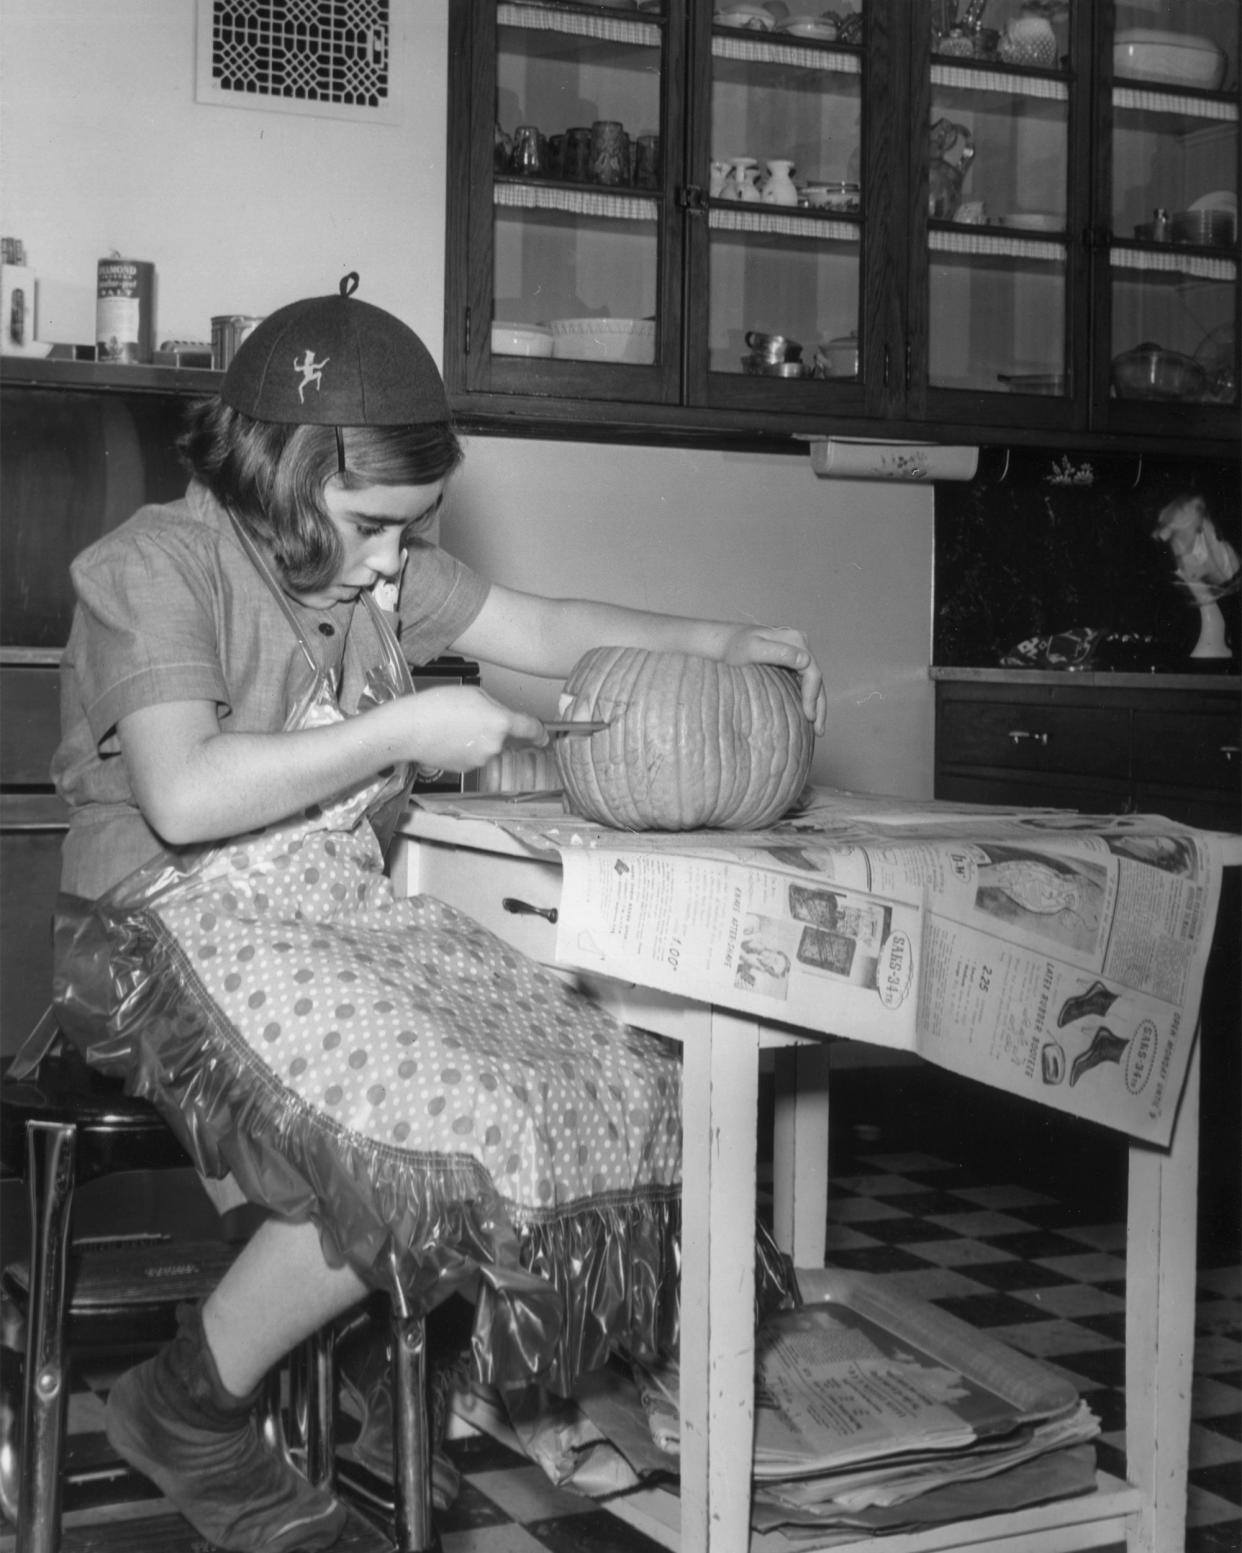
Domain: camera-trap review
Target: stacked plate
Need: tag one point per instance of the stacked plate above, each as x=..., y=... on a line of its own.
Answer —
x=1211, y=221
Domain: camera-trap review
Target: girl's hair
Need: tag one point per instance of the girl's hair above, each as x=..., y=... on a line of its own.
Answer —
x=272, y=477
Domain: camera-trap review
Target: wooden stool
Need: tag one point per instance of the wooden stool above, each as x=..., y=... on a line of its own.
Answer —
x=66, y=1125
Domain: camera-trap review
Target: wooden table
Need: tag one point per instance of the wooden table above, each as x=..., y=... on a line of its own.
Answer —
x=477, y=866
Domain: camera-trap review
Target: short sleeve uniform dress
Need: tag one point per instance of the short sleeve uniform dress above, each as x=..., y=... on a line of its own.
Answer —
x=436, y=1103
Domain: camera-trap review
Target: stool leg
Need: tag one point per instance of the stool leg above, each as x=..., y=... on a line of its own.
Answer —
x=50, y=1158
x=411, y=1436
x=304, y=1431
x=315, y=1375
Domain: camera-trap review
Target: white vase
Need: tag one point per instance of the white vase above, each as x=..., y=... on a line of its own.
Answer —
x=778, y=186
x=748, y=188
x=743, y=172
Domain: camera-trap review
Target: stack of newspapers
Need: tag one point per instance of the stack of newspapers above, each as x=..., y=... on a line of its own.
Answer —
x=874, y=1412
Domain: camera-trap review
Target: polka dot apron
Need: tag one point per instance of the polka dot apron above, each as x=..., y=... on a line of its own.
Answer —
x=441, y=1106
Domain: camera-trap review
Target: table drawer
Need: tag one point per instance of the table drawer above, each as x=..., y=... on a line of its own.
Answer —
x=1086, y=741
x=514, y=897
x=1199, y=750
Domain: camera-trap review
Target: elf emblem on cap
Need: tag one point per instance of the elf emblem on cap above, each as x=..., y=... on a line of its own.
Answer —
x=311, y=370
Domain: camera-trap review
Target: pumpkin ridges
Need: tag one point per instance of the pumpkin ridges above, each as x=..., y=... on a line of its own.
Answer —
x=693, y=744
x=778, y=714
x=693, y=710
x=734, y=733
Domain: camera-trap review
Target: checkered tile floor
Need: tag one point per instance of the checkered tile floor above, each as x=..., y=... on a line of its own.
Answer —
x=1037, y=1262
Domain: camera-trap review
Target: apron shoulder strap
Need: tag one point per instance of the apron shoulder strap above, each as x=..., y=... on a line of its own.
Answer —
x=274, y=588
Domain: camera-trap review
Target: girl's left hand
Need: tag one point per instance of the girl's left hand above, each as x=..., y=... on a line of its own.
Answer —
x=786, y=647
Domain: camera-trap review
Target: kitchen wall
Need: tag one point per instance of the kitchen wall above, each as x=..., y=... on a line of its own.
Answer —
x=104, y=149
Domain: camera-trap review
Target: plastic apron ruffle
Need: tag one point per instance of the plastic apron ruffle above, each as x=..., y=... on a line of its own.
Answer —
x=443, y=1109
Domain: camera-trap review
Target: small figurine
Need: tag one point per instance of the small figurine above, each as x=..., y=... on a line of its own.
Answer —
x=1207, y=567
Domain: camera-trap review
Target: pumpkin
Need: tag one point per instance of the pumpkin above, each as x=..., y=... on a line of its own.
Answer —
x=691, y=743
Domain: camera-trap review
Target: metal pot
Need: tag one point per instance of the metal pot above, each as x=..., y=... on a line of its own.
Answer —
x=1151, y=372
x=773, y=348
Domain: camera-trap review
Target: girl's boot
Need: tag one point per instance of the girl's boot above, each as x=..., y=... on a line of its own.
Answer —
x=172, y=1419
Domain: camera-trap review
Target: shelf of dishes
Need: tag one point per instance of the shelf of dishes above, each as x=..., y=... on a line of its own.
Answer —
x=1036, y=235
x=983, y=78
x=581, y=24
x=594, y=203
x=1193, y=266
x=629, y=341
x=844, y=26
x=797, y=56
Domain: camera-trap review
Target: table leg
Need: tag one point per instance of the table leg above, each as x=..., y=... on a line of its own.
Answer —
x=1160, y=1324
x=800, y=1152
x=720, y=1081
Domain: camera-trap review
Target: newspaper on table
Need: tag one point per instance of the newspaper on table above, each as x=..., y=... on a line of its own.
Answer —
x=1052, y=954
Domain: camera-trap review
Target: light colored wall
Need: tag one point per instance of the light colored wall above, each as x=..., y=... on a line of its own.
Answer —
x=104, y=148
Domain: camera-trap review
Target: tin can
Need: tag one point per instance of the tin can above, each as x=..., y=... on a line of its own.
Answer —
x=124, y=310
x=228, y=330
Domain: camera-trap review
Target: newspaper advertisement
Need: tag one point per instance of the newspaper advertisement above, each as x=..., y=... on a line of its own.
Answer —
x=726, y=930
x=1051, y=954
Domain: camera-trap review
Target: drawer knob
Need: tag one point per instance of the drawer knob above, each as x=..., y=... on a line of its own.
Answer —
x=525, y=909
x=1229, y=750
x=1016, y=736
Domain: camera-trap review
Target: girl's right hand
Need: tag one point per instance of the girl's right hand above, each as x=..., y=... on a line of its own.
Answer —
x=460, y=727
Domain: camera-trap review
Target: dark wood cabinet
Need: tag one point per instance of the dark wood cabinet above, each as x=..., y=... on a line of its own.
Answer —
x=969, y=215
x=1099, y=743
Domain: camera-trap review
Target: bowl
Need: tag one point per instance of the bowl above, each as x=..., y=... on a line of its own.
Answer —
x=1033, y=221
x=521, y=340
x=752, y=17
x=1207, y=228
x=1151, y=372
x=629, y=340
x=822, y=28
x=1173, y=58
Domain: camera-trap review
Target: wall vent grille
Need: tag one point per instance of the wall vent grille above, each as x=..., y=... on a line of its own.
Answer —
x=329, y=58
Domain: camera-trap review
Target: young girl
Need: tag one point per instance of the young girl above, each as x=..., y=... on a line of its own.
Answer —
x=377, y=1073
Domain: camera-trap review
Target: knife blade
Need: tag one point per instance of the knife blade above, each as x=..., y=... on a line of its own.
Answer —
x=579, y=727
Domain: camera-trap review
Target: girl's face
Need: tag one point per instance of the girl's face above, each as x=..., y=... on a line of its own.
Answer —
x=373, y=524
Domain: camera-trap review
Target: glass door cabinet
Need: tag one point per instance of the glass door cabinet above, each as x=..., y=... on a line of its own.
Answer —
x=1003, y=178
x=916, y=218
x=1167, y=285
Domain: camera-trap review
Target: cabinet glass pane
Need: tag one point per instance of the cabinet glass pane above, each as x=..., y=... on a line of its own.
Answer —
x=1173, y=201
x=785, y=202
x=998, y=319
x=998, y=193
x=579, y=175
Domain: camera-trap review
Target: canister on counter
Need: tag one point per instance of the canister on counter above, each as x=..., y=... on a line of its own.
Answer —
x=125, y=309
x=228, y=330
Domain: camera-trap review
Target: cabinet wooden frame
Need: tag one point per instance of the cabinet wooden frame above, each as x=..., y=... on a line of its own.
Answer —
x=679, y=399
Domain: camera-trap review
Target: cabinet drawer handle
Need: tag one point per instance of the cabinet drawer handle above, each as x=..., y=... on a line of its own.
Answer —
x=1016, y=736
x=1229, y=750
x=525, y=909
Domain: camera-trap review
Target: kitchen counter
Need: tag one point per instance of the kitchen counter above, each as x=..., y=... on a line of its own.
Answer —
x=1100, y=679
